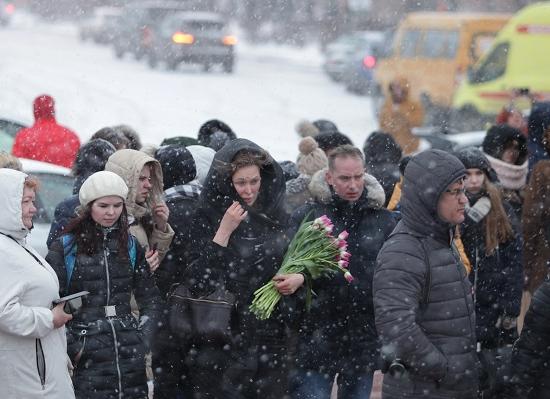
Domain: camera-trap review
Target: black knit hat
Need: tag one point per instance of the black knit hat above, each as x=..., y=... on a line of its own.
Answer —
x=209, y=128
x=325, y=126
x=473, y=158
x=328, y=141
x=177, y=163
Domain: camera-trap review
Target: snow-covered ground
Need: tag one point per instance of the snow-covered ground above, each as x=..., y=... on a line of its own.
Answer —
x=272, y=88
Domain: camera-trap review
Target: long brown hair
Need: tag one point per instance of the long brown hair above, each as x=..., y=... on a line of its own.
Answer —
x=89, y=238
x=498, y=228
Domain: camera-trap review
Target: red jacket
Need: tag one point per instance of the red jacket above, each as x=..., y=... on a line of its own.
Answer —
x=46, y=140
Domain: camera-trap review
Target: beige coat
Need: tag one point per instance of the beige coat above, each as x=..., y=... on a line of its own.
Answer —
x=128, y=165
x=399, y=119
x=27, y=289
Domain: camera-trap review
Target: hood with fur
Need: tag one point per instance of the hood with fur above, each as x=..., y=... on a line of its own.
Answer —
x=321, y=191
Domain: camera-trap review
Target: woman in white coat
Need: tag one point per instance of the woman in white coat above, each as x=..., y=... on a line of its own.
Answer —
x=33, y=356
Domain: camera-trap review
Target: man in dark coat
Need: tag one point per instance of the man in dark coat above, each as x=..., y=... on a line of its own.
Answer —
x=338, y=335
x=422, y=296
x=91, y=158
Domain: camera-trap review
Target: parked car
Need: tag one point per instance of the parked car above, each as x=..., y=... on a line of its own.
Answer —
x=8, y=130
x=101, y=26
x=136, y=25
x=358, y=72
x=450, y=140
x=339, y=52
x=195, y=38
x=56, y=184
x=7, y=9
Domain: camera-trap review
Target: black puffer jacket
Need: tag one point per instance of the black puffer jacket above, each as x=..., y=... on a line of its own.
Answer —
x=254, y=252
x=338, y=334
x=497, y=279
x=422, y=296
x=112, y=360
x=531, y=355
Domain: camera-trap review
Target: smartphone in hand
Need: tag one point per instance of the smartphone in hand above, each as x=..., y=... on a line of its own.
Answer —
x=72, y=302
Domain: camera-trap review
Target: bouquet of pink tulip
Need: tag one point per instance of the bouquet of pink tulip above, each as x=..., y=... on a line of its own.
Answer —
x=314, y=252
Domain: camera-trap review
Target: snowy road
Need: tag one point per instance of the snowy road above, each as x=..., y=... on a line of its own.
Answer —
x=271, y=89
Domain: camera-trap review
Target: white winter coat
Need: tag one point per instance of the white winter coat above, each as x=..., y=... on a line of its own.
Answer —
x=27, y=290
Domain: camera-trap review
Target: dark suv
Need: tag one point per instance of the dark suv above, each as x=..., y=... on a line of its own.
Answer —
x=135, y=30
x=195, y=38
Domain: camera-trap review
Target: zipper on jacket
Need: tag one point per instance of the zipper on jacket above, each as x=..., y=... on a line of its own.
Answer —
x=109, y=319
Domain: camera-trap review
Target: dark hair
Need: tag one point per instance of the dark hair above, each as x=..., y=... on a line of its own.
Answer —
x=344, y=151
x=381, y=147
x=88, y=238
x=116, y=138
x=134, y=142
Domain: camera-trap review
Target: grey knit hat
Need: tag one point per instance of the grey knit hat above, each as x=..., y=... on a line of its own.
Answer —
x=311, y=158
x=102, y=184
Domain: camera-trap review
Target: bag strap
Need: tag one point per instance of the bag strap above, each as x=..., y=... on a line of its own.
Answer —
x=69, y=252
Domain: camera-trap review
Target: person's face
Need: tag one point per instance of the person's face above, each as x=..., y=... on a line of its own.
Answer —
x=516, y=120
x=247, y=181
x=450, y=207
x=397, y=93
x=511, y=153
x=27, y=206
x=107, y=210
x=144, y=185
x=474, y=180
x=347, y=178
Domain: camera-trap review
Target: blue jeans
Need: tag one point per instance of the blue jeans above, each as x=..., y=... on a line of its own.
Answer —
x=309, y=384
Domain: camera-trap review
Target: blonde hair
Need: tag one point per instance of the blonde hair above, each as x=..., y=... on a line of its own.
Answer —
x=10, y=162
x=498, y=228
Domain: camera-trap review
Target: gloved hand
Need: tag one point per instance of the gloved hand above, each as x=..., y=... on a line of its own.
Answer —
x=479, y=210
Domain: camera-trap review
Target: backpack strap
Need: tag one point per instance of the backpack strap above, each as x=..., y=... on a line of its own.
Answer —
x=69, y=252
x=132, y=250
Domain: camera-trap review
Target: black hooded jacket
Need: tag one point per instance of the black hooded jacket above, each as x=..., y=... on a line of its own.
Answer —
x=422, y=296
x=338, y=334
x=255, y=249
x=178, y=169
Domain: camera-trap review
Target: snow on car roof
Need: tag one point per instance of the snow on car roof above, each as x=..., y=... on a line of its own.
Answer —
x=31, y=166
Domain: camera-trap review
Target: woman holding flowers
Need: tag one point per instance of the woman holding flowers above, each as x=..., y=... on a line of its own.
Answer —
x=239, y=242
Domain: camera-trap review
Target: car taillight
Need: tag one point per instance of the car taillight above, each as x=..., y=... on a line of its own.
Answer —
x=229, y=40
x=183, y=38
x=369, y=61
x=10, y=8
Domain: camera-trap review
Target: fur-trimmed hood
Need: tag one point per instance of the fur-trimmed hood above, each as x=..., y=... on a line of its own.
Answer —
x=321, y=191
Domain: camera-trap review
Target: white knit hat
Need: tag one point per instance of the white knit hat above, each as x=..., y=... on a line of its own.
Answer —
x=102, y=184
x=203, y=157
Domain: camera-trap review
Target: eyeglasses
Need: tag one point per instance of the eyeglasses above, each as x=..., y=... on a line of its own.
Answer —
x=456, y=192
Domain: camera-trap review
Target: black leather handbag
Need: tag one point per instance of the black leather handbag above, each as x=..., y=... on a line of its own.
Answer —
x=205, y=318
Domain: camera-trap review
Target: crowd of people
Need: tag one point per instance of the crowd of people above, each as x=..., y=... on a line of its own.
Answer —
x=449, y=252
